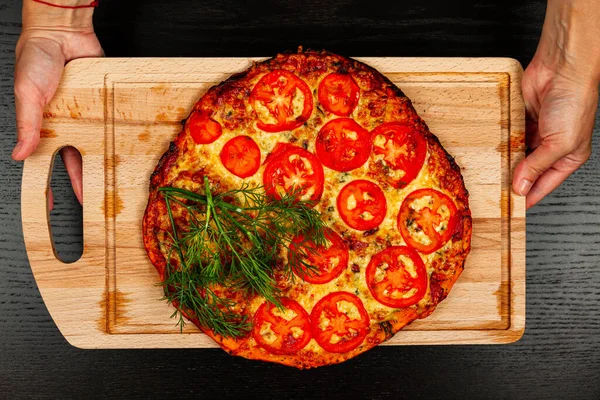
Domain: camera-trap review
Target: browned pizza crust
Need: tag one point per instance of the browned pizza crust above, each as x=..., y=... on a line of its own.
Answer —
x=382, y=101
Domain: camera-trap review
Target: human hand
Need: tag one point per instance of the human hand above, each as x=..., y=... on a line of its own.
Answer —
x=41, y=54
x=560, y=88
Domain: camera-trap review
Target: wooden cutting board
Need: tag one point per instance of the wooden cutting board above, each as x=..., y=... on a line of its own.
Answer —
x=121, y=115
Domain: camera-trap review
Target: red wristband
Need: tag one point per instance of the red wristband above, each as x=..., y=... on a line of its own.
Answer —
x=94, y=3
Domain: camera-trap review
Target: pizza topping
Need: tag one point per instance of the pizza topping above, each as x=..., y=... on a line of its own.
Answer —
x=400, y=150
x=338, y=93
x=282, y=332
x=362, y=205
x=282, y=101
x=328, y=261
x=202, y=128
x=397, y=277
x=343, y=145
x=294, y=170
x=339, y=322
x=427, y=220
x=241, y=156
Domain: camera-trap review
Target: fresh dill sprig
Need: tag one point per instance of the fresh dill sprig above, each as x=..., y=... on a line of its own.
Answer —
x=233, y=239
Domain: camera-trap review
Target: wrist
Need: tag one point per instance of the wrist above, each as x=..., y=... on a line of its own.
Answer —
x=42, y=16
x=569, y=43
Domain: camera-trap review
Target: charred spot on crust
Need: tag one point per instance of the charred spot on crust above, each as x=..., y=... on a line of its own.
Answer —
x=387, y=329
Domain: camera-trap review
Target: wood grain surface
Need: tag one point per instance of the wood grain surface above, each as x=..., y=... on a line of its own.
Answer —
x=559, y=354
x=121, y=115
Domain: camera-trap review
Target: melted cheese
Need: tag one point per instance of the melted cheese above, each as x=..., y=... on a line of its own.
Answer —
x=267, y=334
x=297, y=332
x=324, y=322
x=298, y=103
x=422, y=202
x=351, y=203
x=380, y=272
x=400, y=294
x=379, y=141
x=288, y=314
x=349, y=309
x=335, y=339
x=349, y=134
x=408, y=265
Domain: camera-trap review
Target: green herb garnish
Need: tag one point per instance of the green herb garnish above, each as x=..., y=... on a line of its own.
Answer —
x=233, y=240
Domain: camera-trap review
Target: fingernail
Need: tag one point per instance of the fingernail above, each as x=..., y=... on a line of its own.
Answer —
x=524, y=187
x=17, y=149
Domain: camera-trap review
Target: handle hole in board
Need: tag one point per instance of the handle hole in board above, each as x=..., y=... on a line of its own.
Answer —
x=66, y=216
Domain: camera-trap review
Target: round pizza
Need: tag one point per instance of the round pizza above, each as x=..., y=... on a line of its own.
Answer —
x=305, y=213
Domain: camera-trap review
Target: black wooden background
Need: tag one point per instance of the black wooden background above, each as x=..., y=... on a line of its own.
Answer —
x=559, y=355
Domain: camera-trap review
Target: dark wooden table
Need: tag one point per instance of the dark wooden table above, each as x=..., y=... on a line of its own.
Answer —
x=559, y=355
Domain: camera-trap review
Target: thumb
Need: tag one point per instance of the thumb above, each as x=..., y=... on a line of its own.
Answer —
x=37, y=72
x=534, y=165
x=29, y=105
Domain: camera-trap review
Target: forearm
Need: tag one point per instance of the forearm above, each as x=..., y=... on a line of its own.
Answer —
x=570, y=41
x=42, y=16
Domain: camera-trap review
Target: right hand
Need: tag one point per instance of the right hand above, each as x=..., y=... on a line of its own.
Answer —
x=41, y=55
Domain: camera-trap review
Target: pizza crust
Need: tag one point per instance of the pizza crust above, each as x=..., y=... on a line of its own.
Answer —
x=185, y=164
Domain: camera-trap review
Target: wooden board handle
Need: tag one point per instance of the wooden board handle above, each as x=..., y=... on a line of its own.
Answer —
x=65, y=286
x=37, y=172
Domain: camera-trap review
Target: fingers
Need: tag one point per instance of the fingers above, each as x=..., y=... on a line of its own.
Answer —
x=545, y=184
x=72, y=160
x=533, y=166
x=29, y=105
x=50, y=199
x=552, y=178
x=532, y=135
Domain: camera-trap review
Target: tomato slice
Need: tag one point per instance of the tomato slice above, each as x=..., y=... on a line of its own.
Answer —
x=329, y=261
x=339, y=322
x=294, y=170
x=362, y=205
x=282, y=101
x=427, y=219
x=282, y=331
x=202, y=128
x=343, y=145
x=400, y=148
x=397, y=277
x=241, y=156
x=338, y=93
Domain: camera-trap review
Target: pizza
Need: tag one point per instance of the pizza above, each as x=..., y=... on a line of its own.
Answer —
x=348, y=143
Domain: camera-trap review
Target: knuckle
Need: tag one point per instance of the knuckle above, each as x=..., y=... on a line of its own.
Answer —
x=535, y=169
x=27, y=92
x=20, y=89
x=570, y=144
x=585, y=156
x=27, y=132
x=561, y=147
